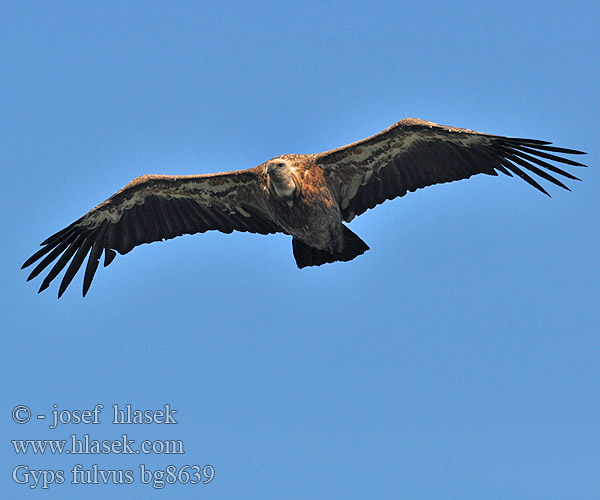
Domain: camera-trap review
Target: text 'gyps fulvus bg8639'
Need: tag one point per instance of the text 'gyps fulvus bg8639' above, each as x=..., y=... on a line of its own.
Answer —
x=308, y=197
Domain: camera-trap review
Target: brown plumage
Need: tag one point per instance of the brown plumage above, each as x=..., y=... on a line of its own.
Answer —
x=306, y=196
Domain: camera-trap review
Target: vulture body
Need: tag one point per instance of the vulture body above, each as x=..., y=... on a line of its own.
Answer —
x=306, y=196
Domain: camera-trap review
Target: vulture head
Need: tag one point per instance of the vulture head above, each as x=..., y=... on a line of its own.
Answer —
x=281, y=180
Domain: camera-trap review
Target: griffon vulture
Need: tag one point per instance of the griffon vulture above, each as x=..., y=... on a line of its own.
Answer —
x=308, y=196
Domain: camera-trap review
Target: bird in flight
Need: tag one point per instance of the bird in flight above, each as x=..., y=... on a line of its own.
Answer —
x=308, y=197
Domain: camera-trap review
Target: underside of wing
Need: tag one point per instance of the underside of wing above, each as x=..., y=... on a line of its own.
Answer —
x=413, y=154
x=153, y=208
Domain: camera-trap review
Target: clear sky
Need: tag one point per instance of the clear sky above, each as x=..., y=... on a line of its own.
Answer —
x=459, y=358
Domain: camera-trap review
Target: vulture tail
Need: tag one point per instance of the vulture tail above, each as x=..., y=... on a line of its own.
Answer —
x=309, y=256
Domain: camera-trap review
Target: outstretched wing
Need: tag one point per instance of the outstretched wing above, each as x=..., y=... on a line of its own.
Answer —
x=153, y=208
x=415, y=153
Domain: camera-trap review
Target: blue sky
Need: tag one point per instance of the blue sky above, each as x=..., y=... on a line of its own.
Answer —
x=458, y=358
